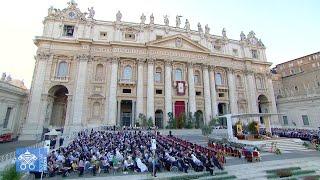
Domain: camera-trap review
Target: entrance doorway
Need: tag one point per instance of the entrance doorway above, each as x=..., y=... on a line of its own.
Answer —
x=159, y=119
x=126, y=113
x=263, y=106
x=222, y=109
x=58, y=111
x=179, y=108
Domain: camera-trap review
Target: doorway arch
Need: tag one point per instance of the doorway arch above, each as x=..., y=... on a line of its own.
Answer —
x=159, y=118
x=263, y=105
x=59, y=99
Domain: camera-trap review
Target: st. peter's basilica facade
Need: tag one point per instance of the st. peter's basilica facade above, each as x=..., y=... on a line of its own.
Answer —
x=91, y=72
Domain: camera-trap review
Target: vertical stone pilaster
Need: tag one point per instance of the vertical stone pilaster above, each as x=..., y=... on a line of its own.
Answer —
x=168, y=90
x=192, y=93
x=213, y=92
x=150, y=90
x=232, y=92
x=139, y=105
x=79, y=95
x=113, y=92
x=33, y=128
x=252, y=92
x=207, y=94
x=274, y=119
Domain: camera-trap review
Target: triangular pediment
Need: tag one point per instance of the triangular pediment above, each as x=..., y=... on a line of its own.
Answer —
x=178, y=42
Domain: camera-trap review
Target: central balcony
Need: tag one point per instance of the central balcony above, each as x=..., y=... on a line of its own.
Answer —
x=127, y=82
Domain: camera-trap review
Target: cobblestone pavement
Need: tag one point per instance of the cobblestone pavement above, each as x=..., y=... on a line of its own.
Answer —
x=11, y=146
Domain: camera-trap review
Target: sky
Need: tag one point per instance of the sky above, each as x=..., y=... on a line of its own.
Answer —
x=288, y=28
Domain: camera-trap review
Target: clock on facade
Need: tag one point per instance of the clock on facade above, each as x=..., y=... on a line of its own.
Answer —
x=72, y=15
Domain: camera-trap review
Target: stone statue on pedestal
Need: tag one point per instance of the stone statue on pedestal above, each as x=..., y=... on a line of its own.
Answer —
x=242, y=36
x=143, y=18
x=166, y=20
x=187, y=25
x=3, y=77
x=207, y=29
x=151, y=19
x=178, y=21
x=224, y=33
x=119, y=16
x=200, y=28
x=91, y=13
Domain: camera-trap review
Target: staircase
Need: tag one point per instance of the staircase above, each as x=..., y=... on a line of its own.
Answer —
x=286, y=144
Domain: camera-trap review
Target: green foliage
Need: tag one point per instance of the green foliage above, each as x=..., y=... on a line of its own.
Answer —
x=172, y=124
x=10, y=173
x=181, y=121
x=213, y=122
x=252, y=127
x=150, y=122
x=189, y=121
x=206, y=130
x=143, y=120
x=198, y=119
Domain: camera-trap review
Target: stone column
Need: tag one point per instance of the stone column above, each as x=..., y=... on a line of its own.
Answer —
x=113, y=92
x=213, y=92
x=274, y=119
x=79, y=94
x=150, y=90
x=133, y=108
x=207, y=95
x=252, y=94
x=69, y=110
x=139, y=105
x=232, y=92
x=31, y=128
x=168, y=90
x=192, y=93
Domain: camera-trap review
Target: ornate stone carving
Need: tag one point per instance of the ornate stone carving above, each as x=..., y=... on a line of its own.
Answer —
x=166, y=20
x=114, y=59
x=141, y=60
x=83, y=57
x=200, y=28
x=178, y=42
x=178, y=21
x=242, y=36
x=3, y=77
x=187, y=25
x=91, y=13
x=151, y=60
x=207, y=29
x=168, y=62
x=151, y=19
x=212, y=67
x=43, y=56
x=118, y=16
x=143, y=19
x=224, y=33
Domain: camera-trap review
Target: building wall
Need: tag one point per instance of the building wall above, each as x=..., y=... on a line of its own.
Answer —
x=95, y=102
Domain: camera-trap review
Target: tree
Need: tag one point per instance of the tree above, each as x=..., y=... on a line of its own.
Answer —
x=252, y=127
x=150, y=122
x=143, y=120
x=213, y=122
x=206, y=130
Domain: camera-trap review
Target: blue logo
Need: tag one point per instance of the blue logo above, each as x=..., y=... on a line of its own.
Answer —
x=31, y=159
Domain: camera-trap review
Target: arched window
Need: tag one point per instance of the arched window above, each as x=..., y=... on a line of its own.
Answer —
x=197, y=79
x=157, y=77
x=127, y=73
x=239, y=81
x=62, y=69
x=178, y=74
x=96, y=109
x=218, y=79
x=99, y=72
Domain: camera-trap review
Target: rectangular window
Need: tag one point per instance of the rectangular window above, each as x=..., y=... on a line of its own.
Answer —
x=218, y=48
x=103, y=35
x=198, y=93
x=158, y=91
x=6, y=119
x=305, y=120
x=158, y=37
x=157, y=77
x=130, y=36
x=127, y=91
x=285, y=120
x=221, y=94
x=68, y=30
x=254, y=54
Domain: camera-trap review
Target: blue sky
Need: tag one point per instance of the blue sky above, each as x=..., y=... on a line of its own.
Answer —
x=289, y=28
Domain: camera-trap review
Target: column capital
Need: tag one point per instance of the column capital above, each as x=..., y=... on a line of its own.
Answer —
x=83, y=57
x=248, y=72
x=168, y=62
x=151, y=60
x=205, y=66
x=190, y=64
x=141, y=60
x=230, y=70
x=114, y=59
x=43, y=55
x=212, y=67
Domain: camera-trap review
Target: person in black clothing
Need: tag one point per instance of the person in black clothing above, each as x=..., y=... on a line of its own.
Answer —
x=216, y=163
x=61, y=141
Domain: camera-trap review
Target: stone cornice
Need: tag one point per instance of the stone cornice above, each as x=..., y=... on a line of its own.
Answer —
x=83, y=57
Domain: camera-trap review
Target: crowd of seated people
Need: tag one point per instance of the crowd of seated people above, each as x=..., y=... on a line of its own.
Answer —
x=111, y=151
x=304, y=134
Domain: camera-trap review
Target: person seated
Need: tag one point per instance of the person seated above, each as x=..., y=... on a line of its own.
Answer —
x=51, y=169
x=105, y=164
x=128, y=164
x=81, y=166
x=142, y=167
x=196, y=163
x=183, y=164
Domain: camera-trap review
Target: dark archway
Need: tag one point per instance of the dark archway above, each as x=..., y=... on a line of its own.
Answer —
x=159, y=118
x=126, y=112
x=199, y=119
x=57, y=108
x=263, y=106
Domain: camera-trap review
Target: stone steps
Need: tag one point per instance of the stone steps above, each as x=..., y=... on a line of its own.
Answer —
x=286, y=145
